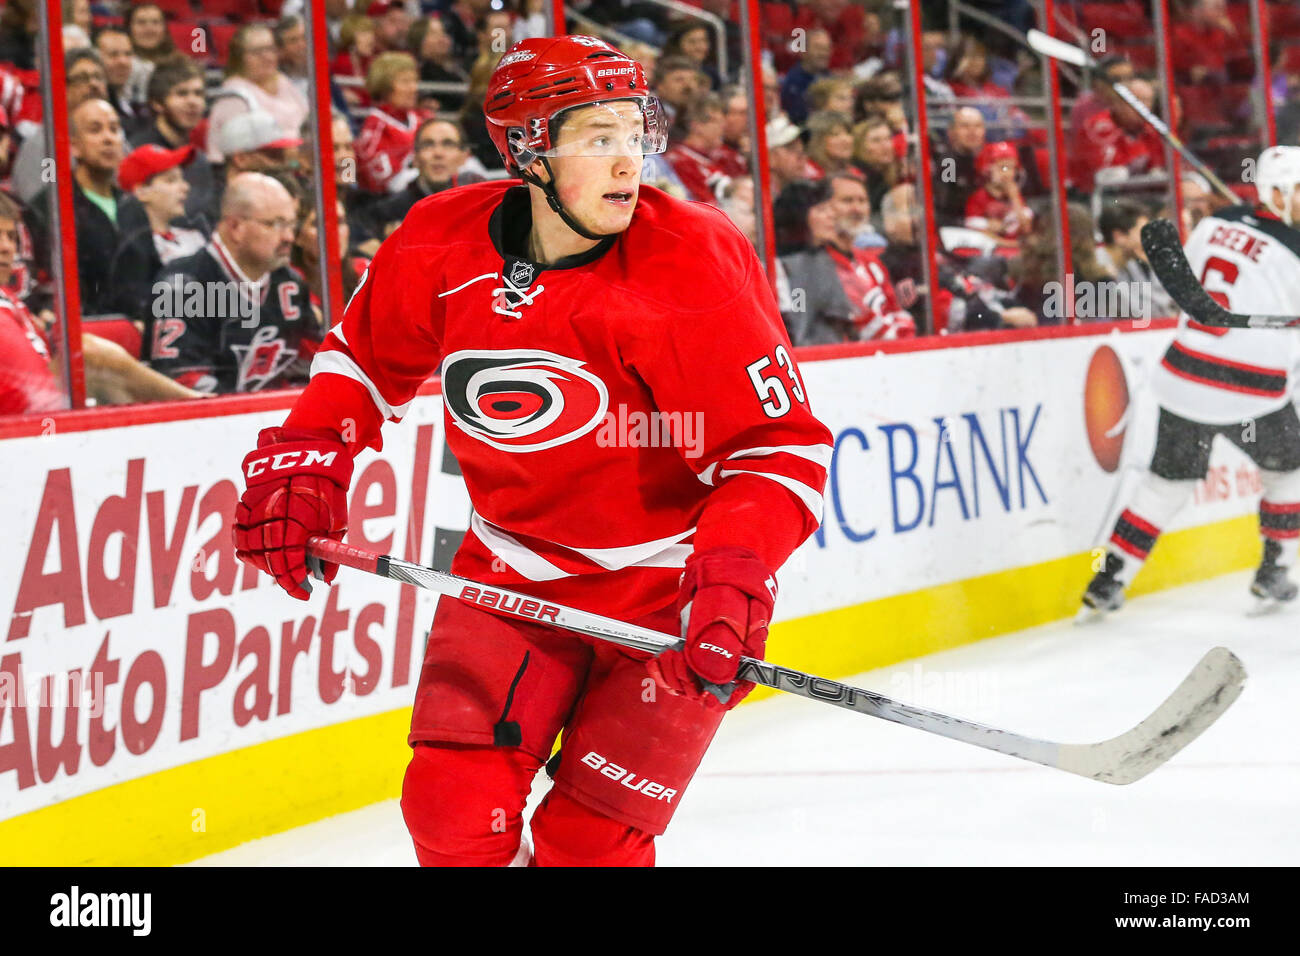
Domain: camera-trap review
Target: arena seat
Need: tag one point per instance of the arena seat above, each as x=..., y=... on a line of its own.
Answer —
x=116, y=328
x=219, y=35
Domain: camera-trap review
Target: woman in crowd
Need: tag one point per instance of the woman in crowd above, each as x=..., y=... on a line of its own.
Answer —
x=305, y=257
x=357, y=44
x=876, y=157
x=693, y=40
x=830, y=143
x=254, y=82
x=431, y=43
x=387, y=136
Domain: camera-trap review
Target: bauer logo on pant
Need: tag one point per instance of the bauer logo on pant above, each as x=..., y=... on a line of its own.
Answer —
x=656, y=791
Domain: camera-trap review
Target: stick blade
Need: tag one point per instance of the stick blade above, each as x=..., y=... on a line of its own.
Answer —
x=1201, y=699
x=1056, y=49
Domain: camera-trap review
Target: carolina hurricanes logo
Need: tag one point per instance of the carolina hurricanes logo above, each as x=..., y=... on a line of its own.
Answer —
x=522, y=399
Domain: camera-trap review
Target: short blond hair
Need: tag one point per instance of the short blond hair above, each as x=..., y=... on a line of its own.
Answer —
x=382, y=75
x=352, y=25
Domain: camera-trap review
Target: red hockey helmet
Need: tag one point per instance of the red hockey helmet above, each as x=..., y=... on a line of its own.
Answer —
x=994, y=153
x=541, y=77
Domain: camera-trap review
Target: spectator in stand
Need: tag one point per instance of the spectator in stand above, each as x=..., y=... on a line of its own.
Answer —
x=771, y=94
x=77, y=13
x=833, y=228
x=114, y=48
x=875, y=155
x=244, y=270
x=533, y=22
x=1121, y=254
x=147, y=26
x=834, y=93
x=431, y=44
x=1098, y=97
x=883, y=94
x=1201, y=41
x=462, y=18
x=253, y=143
x=997, y=208
x=101, y=211
x=786, y=160
x=177, y=104
x=955, y=178
x=440, y=152
x=153, y=175
x=494, y=33
x=934, y=56
x=855, y=29
x=691, y=157
x=1118, y=138
x=388, y=134
x=254, y=82
x=357, y=202
x=7, y=144
x=852, y=211
x=357, y=47
x=472, y=120
x=812, y=66
x=305, y=259
x=737, y=202
x=391, y=24
x=693, y=41
x=20, y=24
x=732, y=156
x=1036, y=270
x=964, y=301
x=676, y=82
x=830, y=144
x=291, y=47
x=968, y=72
x=85, y=80
x=27, y=380
x=1198, y=199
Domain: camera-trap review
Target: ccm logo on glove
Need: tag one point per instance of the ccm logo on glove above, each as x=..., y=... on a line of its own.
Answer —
x=290, y=459
x=717, y=650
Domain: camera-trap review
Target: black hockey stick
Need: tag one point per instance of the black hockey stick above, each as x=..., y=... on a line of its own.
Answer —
x=1164, y=251
x=1198, y=701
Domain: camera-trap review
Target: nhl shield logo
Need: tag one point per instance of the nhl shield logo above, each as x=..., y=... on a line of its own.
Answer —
x=521, y=274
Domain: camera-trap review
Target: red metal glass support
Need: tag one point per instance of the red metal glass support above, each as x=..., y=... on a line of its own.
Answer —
x=1260, y=42
x=766, y=231
x=63, y=258
x=929, y=233
x=327, y=218
x=1065, y=251
x=1165, y=63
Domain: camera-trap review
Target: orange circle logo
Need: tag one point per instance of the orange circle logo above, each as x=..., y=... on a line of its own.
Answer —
x=1105, y=400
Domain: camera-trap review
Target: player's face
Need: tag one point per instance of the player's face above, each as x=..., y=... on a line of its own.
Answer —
x=599, y=191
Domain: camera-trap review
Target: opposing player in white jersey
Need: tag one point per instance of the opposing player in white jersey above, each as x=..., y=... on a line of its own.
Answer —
x=1237, y=383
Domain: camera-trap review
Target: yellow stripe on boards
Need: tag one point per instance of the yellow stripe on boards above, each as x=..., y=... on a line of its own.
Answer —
x=284, y=783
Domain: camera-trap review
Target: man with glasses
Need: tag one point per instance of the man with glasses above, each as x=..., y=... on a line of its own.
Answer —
x=234, y=317
x=440, y=151
x=86, y=80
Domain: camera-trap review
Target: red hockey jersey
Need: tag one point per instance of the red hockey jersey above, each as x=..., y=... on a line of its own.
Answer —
x=385, y=149
x=610, y=412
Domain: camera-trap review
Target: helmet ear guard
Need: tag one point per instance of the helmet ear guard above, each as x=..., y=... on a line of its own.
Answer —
x=522, y=155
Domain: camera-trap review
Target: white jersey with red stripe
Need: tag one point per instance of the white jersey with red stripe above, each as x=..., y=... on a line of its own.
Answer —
x=609, y=412
x=1249, y=261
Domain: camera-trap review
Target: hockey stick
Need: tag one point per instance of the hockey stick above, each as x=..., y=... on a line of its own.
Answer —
x=1047, y=45
x=1164, y=252
x=1199, y=700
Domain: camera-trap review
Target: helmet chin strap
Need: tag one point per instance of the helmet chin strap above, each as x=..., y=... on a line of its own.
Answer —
x=553, y=200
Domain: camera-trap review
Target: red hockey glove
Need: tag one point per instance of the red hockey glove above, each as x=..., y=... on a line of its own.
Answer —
x=297, y=487
x=725, y=604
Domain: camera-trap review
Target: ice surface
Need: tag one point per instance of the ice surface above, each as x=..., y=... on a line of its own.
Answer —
x=789, y=781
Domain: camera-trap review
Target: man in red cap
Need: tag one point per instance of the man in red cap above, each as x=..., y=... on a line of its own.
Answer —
x=154, y=176
x=557, y=309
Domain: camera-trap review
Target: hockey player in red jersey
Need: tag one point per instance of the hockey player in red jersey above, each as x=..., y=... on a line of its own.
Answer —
x=636, y=440
x=1239, y=384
